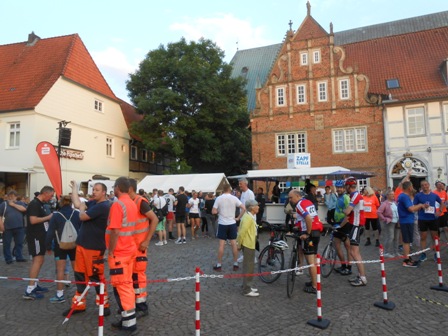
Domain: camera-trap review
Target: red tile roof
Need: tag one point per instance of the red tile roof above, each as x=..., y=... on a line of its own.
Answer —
x=130, y=115
x=27, y=72
x=310, y=29
x=414, y=59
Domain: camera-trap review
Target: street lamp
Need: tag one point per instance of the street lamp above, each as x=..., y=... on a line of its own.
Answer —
x=439, y=172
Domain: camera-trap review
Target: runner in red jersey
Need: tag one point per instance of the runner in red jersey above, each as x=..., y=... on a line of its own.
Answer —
x=355, y=219
x=310, y=227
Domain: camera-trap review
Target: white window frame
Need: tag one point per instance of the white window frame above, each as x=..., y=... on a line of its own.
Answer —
x=304, y=58
x=99, y=106
x=134, y=153
x=445, y=116
x=144, y=155
x=110, y=147
x=301, y=95
x=280, y=95
x=316, y=56
x=322, y=91
x=344, y=92
x=290, y=143
x=411, y=120
x=13, y=139
x=349, y=140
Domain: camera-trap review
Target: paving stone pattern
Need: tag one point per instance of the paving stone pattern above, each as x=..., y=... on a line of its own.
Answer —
x=225, y=311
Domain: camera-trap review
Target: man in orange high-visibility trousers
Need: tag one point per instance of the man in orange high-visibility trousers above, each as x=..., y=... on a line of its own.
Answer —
x=91, y=245
x=122, y=248
x=144, y=230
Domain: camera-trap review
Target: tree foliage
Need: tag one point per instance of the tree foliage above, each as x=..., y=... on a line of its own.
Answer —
x=193, y=110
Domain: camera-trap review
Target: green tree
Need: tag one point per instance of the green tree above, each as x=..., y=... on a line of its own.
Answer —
x=193, y=110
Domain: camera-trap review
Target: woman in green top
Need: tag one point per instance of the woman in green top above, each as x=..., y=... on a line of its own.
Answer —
x=246, y=240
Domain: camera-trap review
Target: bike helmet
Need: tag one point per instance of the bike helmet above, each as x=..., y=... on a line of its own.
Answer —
x=281, y=244
x=350, y=181
x=339, y=183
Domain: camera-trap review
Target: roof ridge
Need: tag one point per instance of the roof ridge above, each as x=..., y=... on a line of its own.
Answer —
x=69, y=54
x=396, y=35
x=413, y=18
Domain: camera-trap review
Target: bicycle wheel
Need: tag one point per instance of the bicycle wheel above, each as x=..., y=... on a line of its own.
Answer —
x=270, y=259
x=328, y=260
x=291, y=275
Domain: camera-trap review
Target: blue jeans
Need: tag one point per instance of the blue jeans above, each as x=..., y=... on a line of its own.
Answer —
x=19, y=235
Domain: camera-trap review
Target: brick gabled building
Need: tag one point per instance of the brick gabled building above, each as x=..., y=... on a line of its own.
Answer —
x=314, y=101
x=371, y=98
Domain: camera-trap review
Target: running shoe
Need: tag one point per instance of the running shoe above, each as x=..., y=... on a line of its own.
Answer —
x=178, y=241
x=57, y=299
x=33, y=295
x=359, y=282
x=410, y=263
x=40, y=289
x=217, y=268
x=159, y=243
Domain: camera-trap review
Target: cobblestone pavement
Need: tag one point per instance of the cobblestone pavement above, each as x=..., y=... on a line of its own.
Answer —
x=225, y=311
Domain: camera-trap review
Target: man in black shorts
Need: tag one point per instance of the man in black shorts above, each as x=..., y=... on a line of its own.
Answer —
x=341, y=233
x=181, y=204
x=36, y=231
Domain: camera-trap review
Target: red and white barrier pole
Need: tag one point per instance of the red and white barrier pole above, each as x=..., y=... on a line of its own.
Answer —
x=320, y=322
x=198, y=302
x=386, y=304
x=101, y=310
x=440, y=286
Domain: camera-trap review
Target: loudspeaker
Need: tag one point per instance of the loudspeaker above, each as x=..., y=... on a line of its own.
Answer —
x=64, y=136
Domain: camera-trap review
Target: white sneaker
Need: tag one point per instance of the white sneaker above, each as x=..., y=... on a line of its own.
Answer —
x=178, y=241
x=299, y=272
x=252, y=294
x=165, y=242
x=240, y=259
x=160, y=243
x=254, y=290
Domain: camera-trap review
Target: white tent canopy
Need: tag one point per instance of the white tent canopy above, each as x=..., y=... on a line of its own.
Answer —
x=282, y=174
x=198, y=182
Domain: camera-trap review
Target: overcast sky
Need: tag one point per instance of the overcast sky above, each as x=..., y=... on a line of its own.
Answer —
x=118, y=34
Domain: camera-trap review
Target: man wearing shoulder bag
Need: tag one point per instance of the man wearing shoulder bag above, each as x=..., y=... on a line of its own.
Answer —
x=54, y=234
x=11, y=224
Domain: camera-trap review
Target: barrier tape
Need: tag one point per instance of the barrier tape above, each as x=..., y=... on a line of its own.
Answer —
x=431, y=301
x=214, y=276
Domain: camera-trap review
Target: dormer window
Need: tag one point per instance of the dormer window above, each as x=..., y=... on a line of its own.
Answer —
x=392, y=83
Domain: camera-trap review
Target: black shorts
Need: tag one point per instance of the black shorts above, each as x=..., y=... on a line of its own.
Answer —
x=60, y=254
x=227, y=232
x=36, y=243
x=407, y=233
x=425, y=225
x=343, y=232
x=311, y=244
x=180, y=219
x=372, y=222
x=194, y=215
x=355, y=234
x=442, y=220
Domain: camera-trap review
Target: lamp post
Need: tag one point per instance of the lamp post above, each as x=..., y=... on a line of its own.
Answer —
x=439, y=172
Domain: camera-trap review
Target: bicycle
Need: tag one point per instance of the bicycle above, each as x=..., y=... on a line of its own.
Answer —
x=272, y=257
x=328, y=259
x=293, y=263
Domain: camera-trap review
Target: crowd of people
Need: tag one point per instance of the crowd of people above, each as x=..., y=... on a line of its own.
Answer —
x=117, y=228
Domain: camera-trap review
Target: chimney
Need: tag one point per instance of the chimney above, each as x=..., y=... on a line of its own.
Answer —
x=32, y=39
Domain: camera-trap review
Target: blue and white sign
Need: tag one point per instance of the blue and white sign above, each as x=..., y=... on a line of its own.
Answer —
x=299, y=160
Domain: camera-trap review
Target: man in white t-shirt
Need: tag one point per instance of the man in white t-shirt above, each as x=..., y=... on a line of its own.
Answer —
x=225, y=207
x=170, y=219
